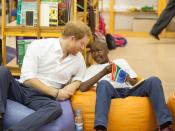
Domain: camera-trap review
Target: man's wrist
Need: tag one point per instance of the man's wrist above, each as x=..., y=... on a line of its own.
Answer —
x=57, y=93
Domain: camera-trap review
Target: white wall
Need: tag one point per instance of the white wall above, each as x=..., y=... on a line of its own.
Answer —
x=125, y=4
x=124, y=21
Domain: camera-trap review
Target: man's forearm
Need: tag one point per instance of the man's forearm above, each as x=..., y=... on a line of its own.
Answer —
x=37, y=84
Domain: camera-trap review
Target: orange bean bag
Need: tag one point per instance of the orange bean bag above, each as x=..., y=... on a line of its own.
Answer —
x=171, y=105
x=129, y=114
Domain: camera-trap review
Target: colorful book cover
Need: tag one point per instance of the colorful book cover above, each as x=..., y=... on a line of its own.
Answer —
x=28, y=13
x=18, y=19
x=62, y=13
x=53, y=15
x=118, y=74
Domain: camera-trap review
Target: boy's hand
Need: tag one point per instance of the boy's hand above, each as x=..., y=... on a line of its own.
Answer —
x=107, y=69
x=130, y=80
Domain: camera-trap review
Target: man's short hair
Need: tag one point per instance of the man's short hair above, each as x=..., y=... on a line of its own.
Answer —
x=77, y=29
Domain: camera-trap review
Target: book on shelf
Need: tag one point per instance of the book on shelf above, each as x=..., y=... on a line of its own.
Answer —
x=65, y=10
x=28, y=13
x=53, y=15
x=62, y=13
x=21, y=46
x=49, y=12
x=18, y=17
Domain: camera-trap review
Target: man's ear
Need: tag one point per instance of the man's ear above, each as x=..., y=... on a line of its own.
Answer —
x=72, y=37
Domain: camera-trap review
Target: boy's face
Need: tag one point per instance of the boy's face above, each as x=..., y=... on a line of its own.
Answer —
x=99, y=53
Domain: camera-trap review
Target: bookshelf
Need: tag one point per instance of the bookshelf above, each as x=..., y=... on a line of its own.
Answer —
x=38, y=31
x=112, y=11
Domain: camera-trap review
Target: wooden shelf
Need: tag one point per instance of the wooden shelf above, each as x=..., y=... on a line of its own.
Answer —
x=14, y=30
x=33, y=31
x=14, y=68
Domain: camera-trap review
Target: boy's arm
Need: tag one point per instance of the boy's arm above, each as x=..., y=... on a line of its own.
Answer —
x=86, y=85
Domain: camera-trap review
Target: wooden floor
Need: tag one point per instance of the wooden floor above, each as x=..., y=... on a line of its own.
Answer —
x=150, y=57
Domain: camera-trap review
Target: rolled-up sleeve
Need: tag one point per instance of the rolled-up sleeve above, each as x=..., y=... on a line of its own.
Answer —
x=30, y=62
x=81, y=70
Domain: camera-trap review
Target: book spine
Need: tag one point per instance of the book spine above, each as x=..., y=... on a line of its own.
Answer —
x=62, y=13
x=18, y=19
x=53, y=15
x=21, y=50
x=22, y=47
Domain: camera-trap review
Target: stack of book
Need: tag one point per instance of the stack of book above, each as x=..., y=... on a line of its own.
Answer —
x=52, y=12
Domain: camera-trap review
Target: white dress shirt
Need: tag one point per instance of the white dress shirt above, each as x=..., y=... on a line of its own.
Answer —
x=122, y=63
x=43, y=61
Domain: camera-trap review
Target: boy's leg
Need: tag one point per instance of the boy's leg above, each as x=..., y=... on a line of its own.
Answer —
x=152, y=88
x=46, y=110
x=104, y=93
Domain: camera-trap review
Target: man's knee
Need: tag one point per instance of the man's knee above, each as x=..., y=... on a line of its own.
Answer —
x=4, y=71
x=55, y=108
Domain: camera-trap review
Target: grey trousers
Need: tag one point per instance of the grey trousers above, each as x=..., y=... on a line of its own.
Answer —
x=164, y=19
x=151, y=88
x=46, y=108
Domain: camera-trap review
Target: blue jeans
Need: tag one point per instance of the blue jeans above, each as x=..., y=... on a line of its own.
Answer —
x=151, y=88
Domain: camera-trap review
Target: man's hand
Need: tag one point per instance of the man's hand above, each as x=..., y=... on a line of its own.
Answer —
x=72, y=87
x=68, y=90
x=63, y=94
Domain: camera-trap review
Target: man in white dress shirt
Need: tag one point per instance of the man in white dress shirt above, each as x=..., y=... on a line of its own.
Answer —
x=52, y=70
x=108, y=89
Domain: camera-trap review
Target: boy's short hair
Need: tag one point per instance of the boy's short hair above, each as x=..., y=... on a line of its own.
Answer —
x=99, y=41
x=77, y=29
